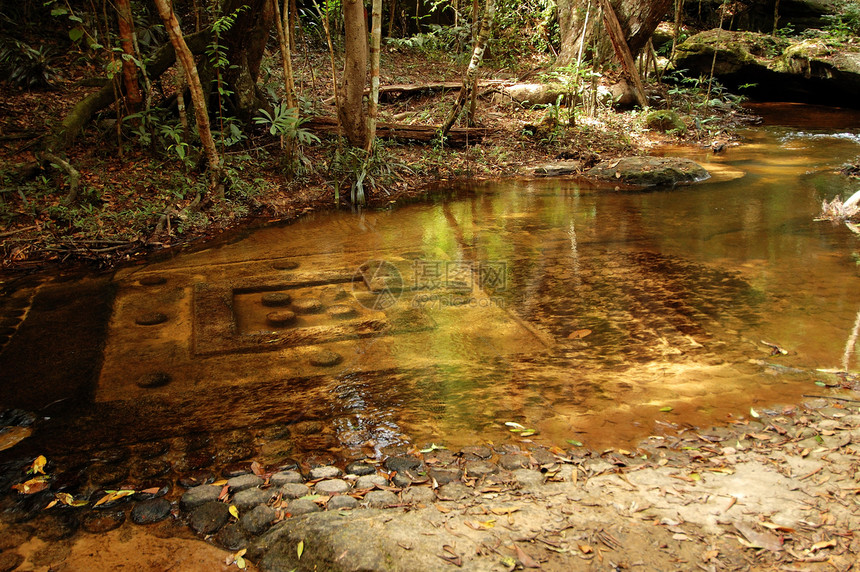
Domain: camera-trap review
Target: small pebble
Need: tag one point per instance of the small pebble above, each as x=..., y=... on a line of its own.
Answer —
x=331, y=487
x=341, y=502
x=380, y=499
x=325, y=472
x=150, y=511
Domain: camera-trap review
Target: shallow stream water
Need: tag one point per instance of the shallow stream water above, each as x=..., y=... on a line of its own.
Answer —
x=580, y=314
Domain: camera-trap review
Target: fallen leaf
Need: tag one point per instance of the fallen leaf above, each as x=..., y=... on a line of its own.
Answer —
x=38, y=465
x=756, y=539
x=234, y=511
x=579, y=334
x=575, y=443
x=526, y=560
x=823, y=544
x=754, y=414
x=514, y=425
x=300, y=548
x=257, y=469
x=34, y=485
x=586, y=549
x=151, y=490
x=666, y=409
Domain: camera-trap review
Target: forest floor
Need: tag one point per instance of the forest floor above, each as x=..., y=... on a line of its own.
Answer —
x=136, y=196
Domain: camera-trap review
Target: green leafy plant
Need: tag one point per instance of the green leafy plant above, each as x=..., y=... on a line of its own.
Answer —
x=25, y=66
x=361, y=171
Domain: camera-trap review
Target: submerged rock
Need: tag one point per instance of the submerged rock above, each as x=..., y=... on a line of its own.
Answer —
x=644, y=172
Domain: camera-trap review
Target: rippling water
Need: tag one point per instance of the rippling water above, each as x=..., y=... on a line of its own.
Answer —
x=580, y=314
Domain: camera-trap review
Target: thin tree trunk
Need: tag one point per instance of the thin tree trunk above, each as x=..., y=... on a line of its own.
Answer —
x=286, y=52
x=354, y=73
x=133, y=97
x=375, y=42
x=183, y=55
x=474, y=63
x=619, y=42
x=327, y=29
x=679, y=20
x=775, y=17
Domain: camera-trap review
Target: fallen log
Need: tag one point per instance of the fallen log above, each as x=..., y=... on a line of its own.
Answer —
x=459, y=136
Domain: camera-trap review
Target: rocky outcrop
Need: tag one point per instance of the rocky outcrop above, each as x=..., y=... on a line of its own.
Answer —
x=646, y=172
x=775, y=69
x=757, y=16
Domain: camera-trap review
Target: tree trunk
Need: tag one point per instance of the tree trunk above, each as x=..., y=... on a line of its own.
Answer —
x=133, y=97
x=638, y=18
x=375, y=42
x=351, y=111
x=246, y=42
x=616, y=35
x=472, y=71
x=286, y=52
x=70, y=127
x=184, y=55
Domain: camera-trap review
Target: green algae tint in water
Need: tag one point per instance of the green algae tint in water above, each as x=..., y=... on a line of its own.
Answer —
x=579, y=313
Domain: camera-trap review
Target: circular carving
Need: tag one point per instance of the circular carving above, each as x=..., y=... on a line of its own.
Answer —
x=150, y=319
x=152, y=280
x=281, y=318
x=342, y=312
x=325, y=358
x=276, y=299
x=155, y=379
x=285, y=265
x=307, y=306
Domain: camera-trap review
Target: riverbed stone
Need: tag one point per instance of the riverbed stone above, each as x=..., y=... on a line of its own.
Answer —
x=57, y=526
x=476, y=452
x=360, y=468
x=528, y=477
x=370, y=481
x=480, y=469
x=325, y=472
x=294, y=490
x=380, y=499
x=341, y=502
x=249, y=498
x=196, y=478
x=244, y=482
x=150, y=511
x=102, y=474
x=514, y=461
x=445, y=475
x=454, y=491
x=302, y=506
x=543, y=457
x=401, y=464
x=257, y=520
x=194, y=497
x=401, y=480
x=99, y=522
x=283, y=477
x=209, y=517
x=231, y=538
x=419, y=495
x=332, y=486
x=643, y=172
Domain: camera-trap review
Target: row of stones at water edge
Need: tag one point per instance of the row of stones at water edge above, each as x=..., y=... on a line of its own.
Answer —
x=246, y=499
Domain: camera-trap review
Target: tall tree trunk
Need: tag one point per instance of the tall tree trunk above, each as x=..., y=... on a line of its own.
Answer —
x=375, y=42
x=183, y=55
x=286, y=51
x=472, y=71
x=638, y=18
x=133, y=97
x=351, y=111
x=246, y=43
